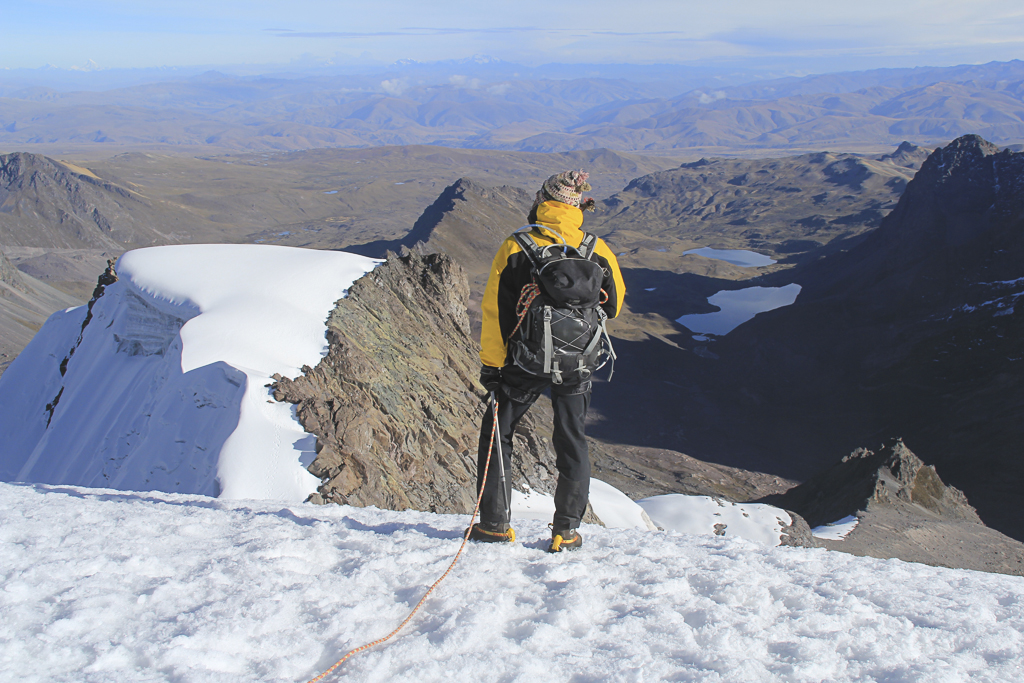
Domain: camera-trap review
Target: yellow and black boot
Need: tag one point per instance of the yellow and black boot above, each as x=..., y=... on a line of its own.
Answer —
x=565, y=539
x=491, y=533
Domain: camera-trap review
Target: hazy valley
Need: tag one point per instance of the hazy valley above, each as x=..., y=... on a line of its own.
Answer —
x=505, y=106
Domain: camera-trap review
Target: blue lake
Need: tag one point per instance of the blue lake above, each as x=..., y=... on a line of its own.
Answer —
x=737, y=257
x=738, y=306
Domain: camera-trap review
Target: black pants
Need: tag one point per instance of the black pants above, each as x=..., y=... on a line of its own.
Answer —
x=518, y=392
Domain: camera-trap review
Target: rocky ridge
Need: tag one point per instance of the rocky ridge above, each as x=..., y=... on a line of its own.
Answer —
x=904, y=510
x=395, y=404
x=468, y=221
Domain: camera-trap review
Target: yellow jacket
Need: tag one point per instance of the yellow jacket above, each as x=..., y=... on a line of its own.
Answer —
x=511, y=270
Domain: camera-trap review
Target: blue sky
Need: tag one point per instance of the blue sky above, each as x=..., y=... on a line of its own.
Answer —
x=809, y=36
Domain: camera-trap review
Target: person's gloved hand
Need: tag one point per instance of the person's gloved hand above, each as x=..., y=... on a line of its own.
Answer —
x=490, y=378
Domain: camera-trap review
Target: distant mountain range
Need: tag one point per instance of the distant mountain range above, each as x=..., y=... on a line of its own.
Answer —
x=539, y=110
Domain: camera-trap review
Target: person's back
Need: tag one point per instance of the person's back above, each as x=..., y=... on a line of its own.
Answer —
x=513, y=300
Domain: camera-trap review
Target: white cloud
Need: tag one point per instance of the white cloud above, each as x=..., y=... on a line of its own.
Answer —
x=705, y=98
x=464, y=82
x=393, y=86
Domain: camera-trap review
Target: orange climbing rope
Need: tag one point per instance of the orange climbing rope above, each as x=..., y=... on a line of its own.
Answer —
x=476, y=509
x=530, y=292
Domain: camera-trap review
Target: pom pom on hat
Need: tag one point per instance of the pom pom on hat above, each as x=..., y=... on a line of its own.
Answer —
x=567, y=187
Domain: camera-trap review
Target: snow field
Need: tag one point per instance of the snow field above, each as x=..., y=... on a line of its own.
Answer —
x=101, y=585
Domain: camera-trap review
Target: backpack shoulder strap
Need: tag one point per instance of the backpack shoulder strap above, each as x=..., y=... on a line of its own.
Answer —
x=586, y=249
x=529, y=247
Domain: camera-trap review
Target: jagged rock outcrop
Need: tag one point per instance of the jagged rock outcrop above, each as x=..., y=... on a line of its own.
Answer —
x=798, y=533
x=395, y=405
x=891, y=477
x=469, y=221
x=903, y=510
x=53, y=204
x=9, y=275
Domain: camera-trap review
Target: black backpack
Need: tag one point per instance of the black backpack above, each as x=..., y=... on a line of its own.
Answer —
x=562, y=330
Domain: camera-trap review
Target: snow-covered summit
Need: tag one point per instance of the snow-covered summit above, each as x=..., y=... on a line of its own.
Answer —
x=164, y=386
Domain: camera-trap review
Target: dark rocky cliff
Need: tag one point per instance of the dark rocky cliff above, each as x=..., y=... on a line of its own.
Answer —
x=395, y=405
x=915, y=331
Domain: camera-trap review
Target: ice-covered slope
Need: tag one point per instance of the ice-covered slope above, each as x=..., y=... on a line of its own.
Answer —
x=163, y=386
x=108, y=586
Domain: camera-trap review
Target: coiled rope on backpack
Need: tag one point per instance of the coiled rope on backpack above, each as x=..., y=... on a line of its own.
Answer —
x=530, y=292
x=465, y=539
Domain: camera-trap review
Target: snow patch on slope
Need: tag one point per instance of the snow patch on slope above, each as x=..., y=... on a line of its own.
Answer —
x=706, y=515
x=836, y=531
x=613, y=507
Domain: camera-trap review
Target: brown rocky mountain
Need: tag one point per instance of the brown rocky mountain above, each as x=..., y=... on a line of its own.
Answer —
x=25, y=304
x=782, y=207
x=915, y=331
x=903, y=510
x=47, y=203
x=469, y=221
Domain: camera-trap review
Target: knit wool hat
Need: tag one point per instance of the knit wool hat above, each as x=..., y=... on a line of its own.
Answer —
x=567, y=187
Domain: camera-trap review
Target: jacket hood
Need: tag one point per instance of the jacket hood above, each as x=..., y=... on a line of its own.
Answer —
x=565, y=219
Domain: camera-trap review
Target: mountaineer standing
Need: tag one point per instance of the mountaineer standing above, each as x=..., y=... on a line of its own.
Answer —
x=549, y=293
